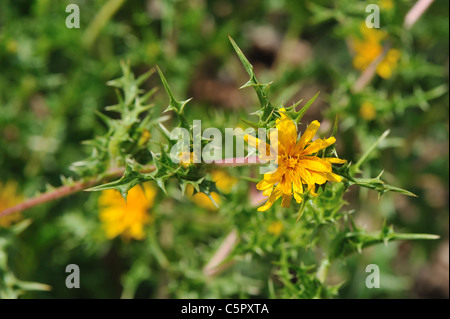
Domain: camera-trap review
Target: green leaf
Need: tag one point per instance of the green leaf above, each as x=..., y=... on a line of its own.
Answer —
x=261, y=89
x=130, y=178
x=348, y=242
x=174, y=105
x=365, y=156
x=298, y=115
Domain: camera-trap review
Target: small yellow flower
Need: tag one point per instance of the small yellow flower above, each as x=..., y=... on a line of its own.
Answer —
x=386, y=4
x=275, y=228
x=127, y=218
x=224, y=183
x=389, y=63
x=145, y=137
x=11, y=46
x=367, y=111
x=8, y=198
x=369, y=48
x=297, y=162
x=203, y=200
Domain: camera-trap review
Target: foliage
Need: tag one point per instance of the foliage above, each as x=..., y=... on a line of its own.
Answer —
x=51, y=96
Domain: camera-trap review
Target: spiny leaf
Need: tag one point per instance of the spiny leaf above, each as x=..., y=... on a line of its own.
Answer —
x=252, y=124
x=335, y=126
x=261, y=89
x=380, y=186
x=196, y=184
x=298, y=115
x=350, y=241
x=365, y=156
x=174, y=105
x=130, y=178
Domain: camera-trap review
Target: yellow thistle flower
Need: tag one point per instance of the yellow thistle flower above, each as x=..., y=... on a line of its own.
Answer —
x=145, y=137
x=127, y=218
x=389, y=63
x=203, y=200
x=275, y=228
x=386, y=4
x=8, y=198
x=367, y=111
x=369, y=48
x=224, y=183
x=297, y=163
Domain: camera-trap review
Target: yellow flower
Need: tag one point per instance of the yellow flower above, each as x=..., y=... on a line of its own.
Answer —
x=386, y=4
x=224, y=183
x=8, y=198
x=275, y=228
x=127, y=218
x=389, y=63
x=203, y=200
x=369, y=48
x=145, y=137
x=367, y=111
x=297, y=163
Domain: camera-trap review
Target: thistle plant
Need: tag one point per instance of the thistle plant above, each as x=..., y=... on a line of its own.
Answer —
x=134, y=167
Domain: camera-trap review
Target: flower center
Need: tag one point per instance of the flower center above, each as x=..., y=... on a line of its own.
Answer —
x=291, y=162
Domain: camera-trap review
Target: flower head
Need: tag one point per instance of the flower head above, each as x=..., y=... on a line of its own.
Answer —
x=386, y=4
x=367, y=111
x=275, y=228
x=299, y=168
x=224, y=184
x=8, y=198
x=369, y=48
x=127, y=218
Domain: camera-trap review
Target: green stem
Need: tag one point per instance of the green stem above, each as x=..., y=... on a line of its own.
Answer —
x=102, y=17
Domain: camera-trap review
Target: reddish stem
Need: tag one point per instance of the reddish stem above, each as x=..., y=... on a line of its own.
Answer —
x=67, y=190
x=238, y=161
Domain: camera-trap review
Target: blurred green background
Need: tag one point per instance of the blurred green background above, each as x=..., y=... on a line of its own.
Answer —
x=52, y=81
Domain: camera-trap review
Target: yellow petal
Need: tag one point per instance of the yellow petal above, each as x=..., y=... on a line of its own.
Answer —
x=318, y=177
x=276, y=193
x=268, y=191
x=305, y=175
x=287, y=132
x=316, y=164
x=263, y=185
x=269, y=180
x=333, y=177
x=334, y=160
x=254, y=141
x=318, y=145
x=308, y=135
x=265, y=152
